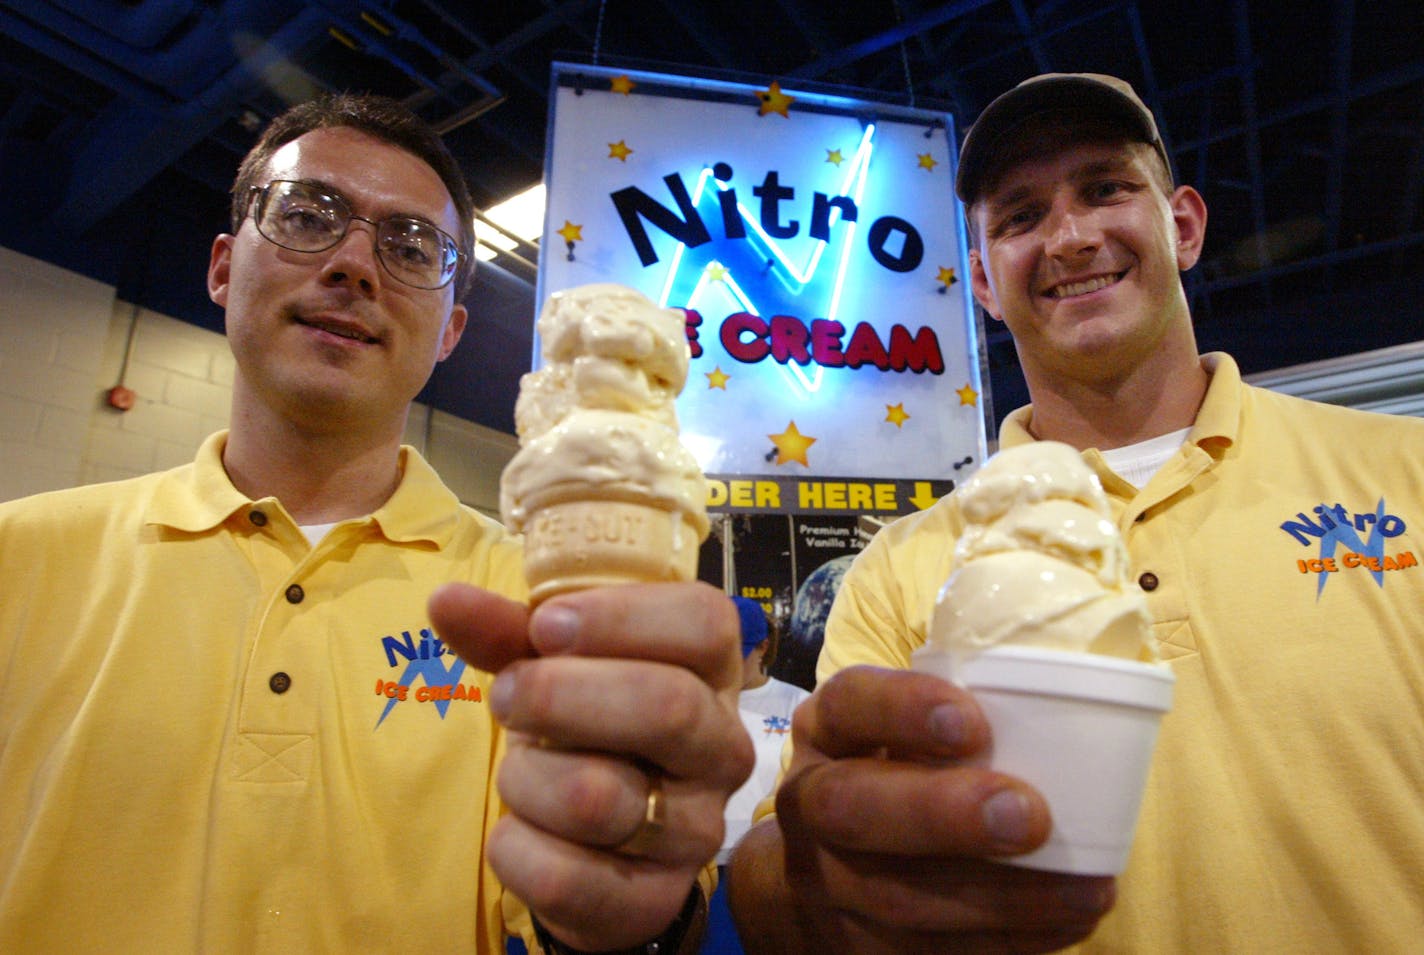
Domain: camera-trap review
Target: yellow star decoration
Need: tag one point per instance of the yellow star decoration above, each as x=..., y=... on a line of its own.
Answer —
x=834, y=157
x=570, y=232
x=622, y=85
x=896, y=414
x=967, y=394
x=774, y=101
x=927, y=162
x=791, y=445
x=946, y=276
x=619, y=151
x=717, y=378
x=715, y=272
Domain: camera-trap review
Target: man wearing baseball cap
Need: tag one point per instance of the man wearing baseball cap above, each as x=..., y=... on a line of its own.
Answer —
x=1285, y=806
x=1084, y=99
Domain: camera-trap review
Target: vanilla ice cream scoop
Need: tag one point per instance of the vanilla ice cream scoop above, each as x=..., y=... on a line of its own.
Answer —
x=1040, y=563
x=1027, y=474
x=602, y=487
x=604, y=346
x=607, y=455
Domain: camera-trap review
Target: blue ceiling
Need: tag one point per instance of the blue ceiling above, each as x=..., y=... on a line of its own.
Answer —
x=1302, y=123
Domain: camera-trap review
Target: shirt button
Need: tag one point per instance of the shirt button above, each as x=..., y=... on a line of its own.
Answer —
x=1147, y=581
x=295, y=594
x=280, y=682
x=257, y=518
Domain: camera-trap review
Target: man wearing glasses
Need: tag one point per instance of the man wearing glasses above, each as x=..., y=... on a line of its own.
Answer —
x=232, y=717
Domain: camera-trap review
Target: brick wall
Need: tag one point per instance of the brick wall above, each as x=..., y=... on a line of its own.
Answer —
x=63, y=339
x=181, y=376
x=53, y=330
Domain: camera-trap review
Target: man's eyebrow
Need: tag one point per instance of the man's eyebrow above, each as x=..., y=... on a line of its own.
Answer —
x=1099, y=167
x=1090, y=170
x=325, y=186
x=1012, y=197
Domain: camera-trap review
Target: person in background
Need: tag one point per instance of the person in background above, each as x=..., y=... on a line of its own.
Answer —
x=232, y=715
x=766, y=705
x=1278, y=543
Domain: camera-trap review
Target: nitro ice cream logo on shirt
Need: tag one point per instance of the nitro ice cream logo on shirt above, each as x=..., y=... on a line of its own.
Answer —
x=1349, y=542
x=776, y=725
x=424, y=661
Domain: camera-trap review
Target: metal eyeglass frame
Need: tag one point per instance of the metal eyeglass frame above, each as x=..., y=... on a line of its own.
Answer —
x=259, y=196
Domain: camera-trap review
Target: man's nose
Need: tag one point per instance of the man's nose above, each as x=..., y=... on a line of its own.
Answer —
x=354, y=259
x=1072, y=231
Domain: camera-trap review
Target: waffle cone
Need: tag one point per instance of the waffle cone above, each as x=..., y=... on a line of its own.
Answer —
x=591, y=543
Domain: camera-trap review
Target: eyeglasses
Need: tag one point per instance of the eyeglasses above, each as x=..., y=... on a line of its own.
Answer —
x=306, y=218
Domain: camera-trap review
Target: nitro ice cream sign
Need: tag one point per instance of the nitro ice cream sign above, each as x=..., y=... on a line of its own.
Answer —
x=814, y=245
x=892, y=242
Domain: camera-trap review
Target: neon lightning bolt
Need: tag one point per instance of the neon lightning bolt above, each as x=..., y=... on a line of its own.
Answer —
x=793, y=278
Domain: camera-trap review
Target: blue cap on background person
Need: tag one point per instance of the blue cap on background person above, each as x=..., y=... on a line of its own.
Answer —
x=1083, y=95
x=754, y=628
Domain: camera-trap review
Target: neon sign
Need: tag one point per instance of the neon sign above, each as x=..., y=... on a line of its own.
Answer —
x=816, y=249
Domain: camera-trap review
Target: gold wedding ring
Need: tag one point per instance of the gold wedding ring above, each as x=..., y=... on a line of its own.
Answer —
x=651, y=826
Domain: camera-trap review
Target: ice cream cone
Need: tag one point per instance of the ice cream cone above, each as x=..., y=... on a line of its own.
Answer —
x=602, y=489
x=593, y=543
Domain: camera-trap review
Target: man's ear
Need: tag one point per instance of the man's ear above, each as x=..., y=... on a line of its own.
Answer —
x=220, y=269
x=1189, y=215
x=454, y=328
x=979, y=282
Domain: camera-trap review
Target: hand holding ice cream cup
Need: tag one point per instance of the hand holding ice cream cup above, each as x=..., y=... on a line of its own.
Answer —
x=1043, y=623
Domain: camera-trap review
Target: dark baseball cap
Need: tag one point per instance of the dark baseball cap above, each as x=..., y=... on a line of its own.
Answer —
x=1082, y=95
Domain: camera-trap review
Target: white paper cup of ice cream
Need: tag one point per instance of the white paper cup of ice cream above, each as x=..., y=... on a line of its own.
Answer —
x=1078, y=727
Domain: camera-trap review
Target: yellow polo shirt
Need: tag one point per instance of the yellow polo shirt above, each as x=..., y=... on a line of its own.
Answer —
x=1283, y=548
x=215, y=737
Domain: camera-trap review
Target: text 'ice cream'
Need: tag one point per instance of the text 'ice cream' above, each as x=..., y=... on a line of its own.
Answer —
x=601, y=487
x=1039, y=563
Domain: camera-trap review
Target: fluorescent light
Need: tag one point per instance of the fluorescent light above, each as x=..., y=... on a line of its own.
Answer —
x=1387, y=379
x=521, y=214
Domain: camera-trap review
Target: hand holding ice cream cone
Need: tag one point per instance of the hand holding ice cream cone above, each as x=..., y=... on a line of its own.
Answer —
x=620, y=701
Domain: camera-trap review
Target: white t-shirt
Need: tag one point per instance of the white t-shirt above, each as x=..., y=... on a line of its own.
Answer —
x=1136, y=463
x=315, y=532
x=766, y=713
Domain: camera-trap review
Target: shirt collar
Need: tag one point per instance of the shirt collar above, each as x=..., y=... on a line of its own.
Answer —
x=422, y=508
x=1218, y=419
x=199, y=497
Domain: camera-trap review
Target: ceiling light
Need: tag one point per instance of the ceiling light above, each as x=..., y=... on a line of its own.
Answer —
x=521, y=214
